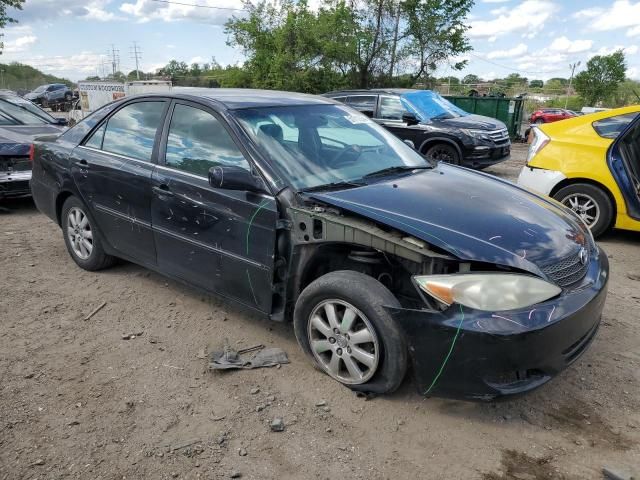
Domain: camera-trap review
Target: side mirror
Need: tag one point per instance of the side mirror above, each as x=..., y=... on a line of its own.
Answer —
x=234, y=178
x=410, y=118
x=62, y=121
x=410, y=143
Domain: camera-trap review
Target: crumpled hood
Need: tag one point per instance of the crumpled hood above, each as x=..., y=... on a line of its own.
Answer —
x=471, y=215
x=478, y=122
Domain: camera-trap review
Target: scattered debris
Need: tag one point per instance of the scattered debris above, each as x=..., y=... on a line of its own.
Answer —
x=172, y=366
x=229, y=358
x=218, y=419
x=260, y=407
x=633, y=276
x=277, y=425
x=39, y=461
x=184, y=445
x=202, y=353
x=131, y=336
x=321, y=403
x=235, y=475
x=96, y=310
x=254, y=391
x=242, y=452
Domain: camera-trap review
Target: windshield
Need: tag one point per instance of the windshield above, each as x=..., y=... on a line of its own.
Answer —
x=24, y=111
x=428, y=105
x=317, y=145
x=41, y=88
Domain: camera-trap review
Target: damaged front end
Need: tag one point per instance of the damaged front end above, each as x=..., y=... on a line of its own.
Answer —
x=456, y=351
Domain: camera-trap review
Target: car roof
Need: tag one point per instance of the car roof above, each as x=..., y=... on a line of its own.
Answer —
x=237, y=98
x=579, y=121
x=395, y=91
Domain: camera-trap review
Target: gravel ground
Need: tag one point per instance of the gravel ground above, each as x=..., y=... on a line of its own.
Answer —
x=78, y=401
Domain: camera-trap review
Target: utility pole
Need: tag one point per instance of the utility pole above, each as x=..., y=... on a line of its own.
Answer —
x=115, y=60
x=136, y=55
x=573, y=67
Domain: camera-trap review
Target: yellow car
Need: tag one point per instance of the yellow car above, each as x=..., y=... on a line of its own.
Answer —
x=591, y=164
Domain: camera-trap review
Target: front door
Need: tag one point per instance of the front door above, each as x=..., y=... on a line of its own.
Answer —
x=221, y=240
x=390, y=111
x=112, y=170
x=624, y=156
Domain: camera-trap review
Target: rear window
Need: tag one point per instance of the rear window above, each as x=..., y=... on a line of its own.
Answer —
x=612, y=127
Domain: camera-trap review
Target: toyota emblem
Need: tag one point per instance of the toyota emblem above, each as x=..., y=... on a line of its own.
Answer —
x=584, y=256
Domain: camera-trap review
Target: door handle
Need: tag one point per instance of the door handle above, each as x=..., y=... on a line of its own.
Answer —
x=162, y=189
x=83, y=164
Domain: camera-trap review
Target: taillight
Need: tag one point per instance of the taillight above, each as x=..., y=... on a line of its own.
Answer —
x=32, y=151
x=540, y=140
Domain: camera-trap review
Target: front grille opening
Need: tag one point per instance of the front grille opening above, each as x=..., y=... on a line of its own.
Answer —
x=575, y=350
x=567, y=271
x=514, y=377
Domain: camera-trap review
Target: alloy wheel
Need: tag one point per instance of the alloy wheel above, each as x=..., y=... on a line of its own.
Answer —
x=442, y=154
x=343, y=341
x=585, y=206
x=79, y=233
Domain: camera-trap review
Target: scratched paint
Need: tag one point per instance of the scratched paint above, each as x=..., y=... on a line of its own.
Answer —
x=446, y=358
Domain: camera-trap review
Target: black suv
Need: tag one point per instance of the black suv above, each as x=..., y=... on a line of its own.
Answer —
x=436, y=127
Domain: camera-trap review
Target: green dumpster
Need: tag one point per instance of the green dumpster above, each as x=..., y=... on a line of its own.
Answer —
x=508, y=110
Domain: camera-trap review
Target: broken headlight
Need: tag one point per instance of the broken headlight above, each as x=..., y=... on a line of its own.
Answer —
x=487, y=291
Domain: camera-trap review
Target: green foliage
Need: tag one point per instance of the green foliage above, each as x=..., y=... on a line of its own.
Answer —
x=471, y=79
x=536, y=84
x=17, y=76
x=627, y=93
x=601, y=78
x=4, y=15
x=372, y=43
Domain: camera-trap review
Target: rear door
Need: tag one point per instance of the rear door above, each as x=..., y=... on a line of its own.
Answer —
x=221, y=240
x=112, y=169
x=623, y=156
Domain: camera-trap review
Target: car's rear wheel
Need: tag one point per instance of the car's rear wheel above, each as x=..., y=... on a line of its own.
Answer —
x=539, y=121
x=342, y=325
x=443, y=152
x=81, y=237
x=591, y=203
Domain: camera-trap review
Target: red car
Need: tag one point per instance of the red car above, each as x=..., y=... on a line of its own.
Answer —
x=548, y=115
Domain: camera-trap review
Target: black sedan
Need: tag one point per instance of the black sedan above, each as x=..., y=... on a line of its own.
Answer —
x=434, y=126
x=20, y=123
x=303, y=209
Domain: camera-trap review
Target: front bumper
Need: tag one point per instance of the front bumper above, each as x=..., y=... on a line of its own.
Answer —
x=15, y=184
x=539, y=179
x=481, y=156
x=466, y=353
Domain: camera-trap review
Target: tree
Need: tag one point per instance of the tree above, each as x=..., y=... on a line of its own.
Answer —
x=436, y=32
x=4, y=16
x=536, y=84
x=471, y=79
x=601, y=78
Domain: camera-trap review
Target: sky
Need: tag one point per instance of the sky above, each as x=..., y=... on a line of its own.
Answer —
x=538, y=39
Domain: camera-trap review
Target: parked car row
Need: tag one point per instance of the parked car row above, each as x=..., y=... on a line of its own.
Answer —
x=304, y=209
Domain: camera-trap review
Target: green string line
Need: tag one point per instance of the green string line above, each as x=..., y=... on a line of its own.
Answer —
x=260, y=207
x=446, y=359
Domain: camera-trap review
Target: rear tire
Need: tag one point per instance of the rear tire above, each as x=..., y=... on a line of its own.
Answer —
x=589, y=202
x=539, y=121
x=82, y=239
x=380, y=350
x=443, y=152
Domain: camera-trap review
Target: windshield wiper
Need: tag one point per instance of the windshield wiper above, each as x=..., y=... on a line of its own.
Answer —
x=443, y=116
x=396, y=169
x=333, y=186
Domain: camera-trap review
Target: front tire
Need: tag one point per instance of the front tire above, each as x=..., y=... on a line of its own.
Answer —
x=443, y=152
x=591, y=203
x=341, y=324
x=81, y=237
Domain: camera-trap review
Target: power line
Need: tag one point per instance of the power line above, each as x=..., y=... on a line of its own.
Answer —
x=137, y=56
x=200, y=6
x=115, y=59
x=516, y=69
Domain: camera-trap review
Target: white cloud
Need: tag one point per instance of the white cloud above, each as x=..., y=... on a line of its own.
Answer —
x=20, y=44
x=527, y=19
x=50, y=9
x=633, y=73
x=628, y=50
x=634, y=32
x=197, y=59
x=588, y=13
x=622, y=14
x=146, y=10
x=563, y=44
x=516, y=51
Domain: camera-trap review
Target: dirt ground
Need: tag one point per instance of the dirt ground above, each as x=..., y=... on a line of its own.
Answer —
x=78, y=401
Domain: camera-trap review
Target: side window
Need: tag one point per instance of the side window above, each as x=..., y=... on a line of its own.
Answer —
x=51, y=88
x=197, y=141
x=612, y=127
x=363, y=103
x=95, y=140
x=391, y=108
x=131, y=131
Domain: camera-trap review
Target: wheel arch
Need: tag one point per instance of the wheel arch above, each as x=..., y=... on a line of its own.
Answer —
x=60, y=199
x=429, y=142
x=575, y=180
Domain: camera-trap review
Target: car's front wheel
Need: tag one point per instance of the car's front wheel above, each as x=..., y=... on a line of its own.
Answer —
x=590, y=203
x=81, y=237
x=342, y=325
x=443, y=152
